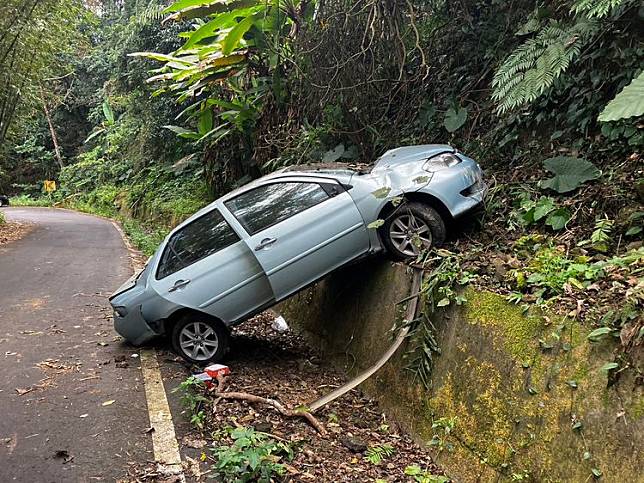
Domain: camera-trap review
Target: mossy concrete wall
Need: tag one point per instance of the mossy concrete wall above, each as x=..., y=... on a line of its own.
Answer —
x=525, y=393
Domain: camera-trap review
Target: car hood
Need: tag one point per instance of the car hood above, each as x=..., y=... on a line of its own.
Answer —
x=407, y=154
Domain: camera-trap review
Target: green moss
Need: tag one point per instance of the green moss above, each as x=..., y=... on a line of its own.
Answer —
x=479, y=379
x=518, y=331
x=637, y=409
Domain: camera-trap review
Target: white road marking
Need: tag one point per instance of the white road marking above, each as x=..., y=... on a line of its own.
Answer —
x=164, y=440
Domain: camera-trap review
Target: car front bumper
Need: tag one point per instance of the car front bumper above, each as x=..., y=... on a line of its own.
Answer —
x=461, y=188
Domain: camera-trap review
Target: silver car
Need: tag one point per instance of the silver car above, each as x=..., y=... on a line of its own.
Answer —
x=270, y=238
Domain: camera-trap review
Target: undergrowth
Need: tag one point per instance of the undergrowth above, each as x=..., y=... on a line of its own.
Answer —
x=250, y=455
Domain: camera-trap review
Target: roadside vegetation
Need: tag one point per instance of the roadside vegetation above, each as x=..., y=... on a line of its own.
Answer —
x=147, y=121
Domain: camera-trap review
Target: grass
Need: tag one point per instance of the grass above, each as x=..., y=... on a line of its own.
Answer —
x=26, y=200
x=144, y=237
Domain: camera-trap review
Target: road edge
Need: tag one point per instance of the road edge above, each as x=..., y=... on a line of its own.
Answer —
x=164, y=439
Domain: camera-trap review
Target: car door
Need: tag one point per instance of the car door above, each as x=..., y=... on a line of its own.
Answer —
x=300, y=229
x=205, y=265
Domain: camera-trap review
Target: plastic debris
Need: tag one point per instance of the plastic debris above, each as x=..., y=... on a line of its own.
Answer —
x=216, y=370
x=212, y=372
x=279, y=324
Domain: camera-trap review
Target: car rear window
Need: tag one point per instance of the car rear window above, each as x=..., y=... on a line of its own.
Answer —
x=270, y=204
x=203, y=237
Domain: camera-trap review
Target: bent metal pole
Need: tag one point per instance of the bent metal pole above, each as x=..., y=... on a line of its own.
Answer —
x=410, y=315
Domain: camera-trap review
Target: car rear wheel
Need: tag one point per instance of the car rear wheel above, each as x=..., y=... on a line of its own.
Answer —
x=411, y=229
x=200, y=339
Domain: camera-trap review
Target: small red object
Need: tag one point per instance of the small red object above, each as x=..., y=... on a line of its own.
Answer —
x=205, y=378
x=217, y=370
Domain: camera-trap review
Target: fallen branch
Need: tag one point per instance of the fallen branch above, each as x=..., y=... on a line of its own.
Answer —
x=244, y=396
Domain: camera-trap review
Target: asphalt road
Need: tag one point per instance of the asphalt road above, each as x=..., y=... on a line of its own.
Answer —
x=61, y=362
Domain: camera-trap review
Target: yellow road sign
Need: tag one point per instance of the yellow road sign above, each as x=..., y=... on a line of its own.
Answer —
x=50, y=186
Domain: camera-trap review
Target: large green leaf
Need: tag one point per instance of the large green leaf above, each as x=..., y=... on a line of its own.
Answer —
x=223, y=20
x=205, y=121
x=95, y=133
x=454, y=119
x=187, y=60
x=231, y=41
x=332, y=155
x=628, y=103
x=570, y=173
x=183, y=4
x=544, y=206
x=107, y=112
x=183, y=132
x=558, y=219
x=210, y=8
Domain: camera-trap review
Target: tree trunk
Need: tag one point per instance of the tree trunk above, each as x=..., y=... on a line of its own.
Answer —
x=54, y=138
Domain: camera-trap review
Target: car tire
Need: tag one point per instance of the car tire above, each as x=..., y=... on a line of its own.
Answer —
x=417, y=218
x=200, y=339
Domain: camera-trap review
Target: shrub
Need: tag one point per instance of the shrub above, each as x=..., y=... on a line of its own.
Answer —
x=253, y=456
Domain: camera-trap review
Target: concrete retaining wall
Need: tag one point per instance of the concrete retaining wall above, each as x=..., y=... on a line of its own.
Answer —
x=510, y=400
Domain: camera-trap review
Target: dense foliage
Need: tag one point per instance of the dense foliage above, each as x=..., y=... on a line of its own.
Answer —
x=151, y=108
x=146, y=110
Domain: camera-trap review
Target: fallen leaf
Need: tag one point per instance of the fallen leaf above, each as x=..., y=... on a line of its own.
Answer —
x=192, y=442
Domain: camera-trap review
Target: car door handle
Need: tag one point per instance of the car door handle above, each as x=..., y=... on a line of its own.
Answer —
x=266, y=242
x=178, y=284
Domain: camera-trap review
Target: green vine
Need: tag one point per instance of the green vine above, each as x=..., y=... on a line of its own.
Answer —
x=440, y=289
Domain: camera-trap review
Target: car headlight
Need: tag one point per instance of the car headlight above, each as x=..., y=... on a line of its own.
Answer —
x=442, y=161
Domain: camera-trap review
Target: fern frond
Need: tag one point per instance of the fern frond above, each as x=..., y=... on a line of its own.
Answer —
x=534, y=66
x=597, y=8
x=150, y=14
x=375, y=454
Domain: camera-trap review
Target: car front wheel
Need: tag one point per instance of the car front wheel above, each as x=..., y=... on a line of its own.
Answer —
x=411, y=229
x=200, y=339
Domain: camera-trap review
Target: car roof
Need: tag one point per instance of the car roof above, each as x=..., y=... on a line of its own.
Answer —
x=327, y=168
x=286, y=173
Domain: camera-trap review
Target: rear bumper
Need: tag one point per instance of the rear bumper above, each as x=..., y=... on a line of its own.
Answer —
x=133, y=327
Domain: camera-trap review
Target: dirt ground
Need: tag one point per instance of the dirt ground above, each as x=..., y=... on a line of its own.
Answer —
x=11, y=231
x=280, y=366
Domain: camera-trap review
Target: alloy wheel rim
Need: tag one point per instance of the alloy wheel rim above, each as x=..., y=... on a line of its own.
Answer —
x=199, y=341
x=410, y=234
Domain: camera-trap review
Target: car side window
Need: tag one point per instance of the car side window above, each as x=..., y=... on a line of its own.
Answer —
x=203, y=237
x=270, y=204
